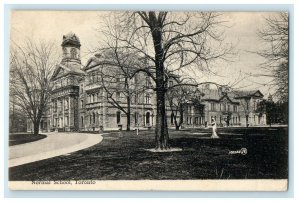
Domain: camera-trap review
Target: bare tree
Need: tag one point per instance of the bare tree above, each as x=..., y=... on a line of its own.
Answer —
x=117, y=81
x=170, y=42
x=275, y=37
x=31, y=67
x=178, y=98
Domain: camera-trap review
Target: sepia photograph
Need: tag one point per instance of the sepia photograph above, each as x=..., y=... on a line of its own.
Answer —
x=148, y=100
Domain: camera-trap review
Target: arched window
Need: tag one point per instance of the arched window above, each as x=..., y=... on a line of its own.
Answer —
x=73, y=53
x=148, y=118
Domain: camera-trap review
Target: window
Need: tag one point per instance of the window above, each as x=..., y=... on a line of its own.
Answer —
x=82, y=121
x=94, y=77
x=55, y=106
x=118, y=117
x=212, y=106
x=81, y=88
x=61, y=105
x=235, y=108
x=147, y=98
x=189, y=109
x=148, y=82
x=172, y=118
x=89, y=99
x=66, y=121
x=136, y=118
x=228, y=108
x=81, y=104
x=94, y=117
x=67, y=104
x=148, y=118
x=170, y=83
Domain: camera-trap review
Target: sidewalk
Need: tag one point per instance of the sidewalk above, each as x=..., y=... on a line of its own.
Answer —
x=55, y=144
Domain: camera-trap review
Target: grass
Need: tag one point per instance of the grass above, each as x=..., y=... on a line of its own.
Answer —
x=125, y=158
x=22, y=138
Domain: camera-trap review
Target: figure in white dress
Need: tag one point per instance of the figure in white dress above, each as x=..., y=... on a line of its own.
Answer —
x=214, y=128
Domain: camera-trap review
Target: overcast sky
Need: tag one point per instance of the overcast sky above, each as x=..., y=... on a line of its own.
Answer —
x=52, y=25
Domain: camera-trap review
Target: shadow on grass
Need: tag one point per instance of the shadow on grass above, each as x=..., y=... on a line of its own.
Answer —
x=22, y=138
x=123, y=157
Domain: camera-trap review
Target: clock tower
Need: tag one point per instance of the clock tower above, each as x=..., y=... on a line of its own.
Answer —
x=71, y=48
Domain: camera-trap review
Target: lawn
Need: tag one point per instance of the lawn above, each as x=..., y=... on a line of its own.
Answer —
x=123, y=157
x=22, y=138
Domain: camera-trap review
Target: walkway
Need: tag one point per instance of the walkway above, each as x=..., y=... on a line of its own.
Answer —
x=55, y=144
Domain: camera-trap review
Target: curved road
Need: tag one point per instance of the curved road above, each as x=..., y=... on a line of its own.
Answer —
x=55, y=144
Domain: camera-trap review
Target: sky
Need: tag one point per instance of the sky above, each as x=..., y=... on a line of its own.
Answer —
x=242, y=32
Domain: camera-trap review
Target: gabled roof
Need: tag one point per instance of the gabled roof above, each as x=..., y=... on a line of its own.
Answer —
x=247, y=94
x=66, y=68
x=231, y=96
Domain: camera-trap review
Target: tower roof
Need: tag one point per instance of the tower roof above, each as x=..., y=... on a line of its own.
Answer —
x=71, y=39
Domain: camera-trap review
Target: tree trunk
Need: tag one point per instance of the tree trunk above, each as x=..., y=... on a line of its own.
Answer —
x=36, y=127
x=177, y=126
x=128, y=114
x=161, y=130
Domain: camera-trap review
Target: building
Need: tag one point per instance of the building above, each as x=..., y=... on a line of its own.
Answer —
x=93, y=97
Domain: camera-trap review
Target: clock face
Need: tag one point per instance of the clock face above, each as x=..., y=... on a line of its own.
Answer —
x=73, y=53
x=65, y=51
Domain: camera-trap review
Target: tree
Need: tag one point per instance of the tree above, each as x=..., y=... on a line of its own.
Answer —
x=116, y=79
x=275, y=112
x=31, y=67
x=178, y=98
x=275, y=38
x=170, y=42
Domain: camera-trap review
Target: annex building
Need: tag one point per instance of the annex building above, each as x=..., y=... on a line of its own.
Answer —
x=79, y=101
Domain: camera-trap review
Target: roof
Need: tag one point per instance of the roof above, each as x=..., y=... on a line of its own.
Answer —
x=92, y=62
x=233, y=96
x=69, y=68
x=70, y=39
x=249, y=93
